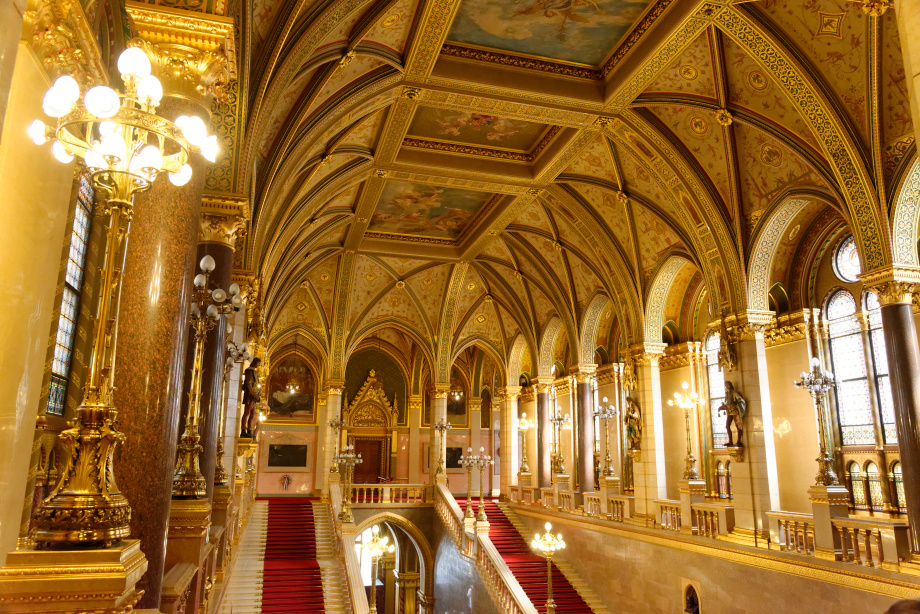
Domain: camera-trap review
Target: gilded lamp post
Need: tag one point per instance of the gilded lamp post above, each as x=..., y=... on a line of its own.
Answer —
x=524, y=425
x=559, y=422
x=687, y=402
x=606, y=412
x=125, y=145
x=347, y=459
x=481, y=461
x=818, y=383
x=467, y=461
x=337, y=424
x=208, y=305
x=441, y=427
x=376, y=547
x=548, y=544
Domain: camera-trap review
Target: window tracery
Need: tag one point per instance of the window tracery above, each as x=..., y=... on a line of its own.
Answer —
x=846, y=261
x=716, y=383
x=848, y=360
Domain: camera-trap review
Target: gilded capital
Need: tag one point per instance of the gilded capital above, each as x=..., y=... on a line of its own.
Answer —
x=583, y=372
x=193, y=54
x=59, y=34
x=224, y=218
x=510, y=393
x=893, y=284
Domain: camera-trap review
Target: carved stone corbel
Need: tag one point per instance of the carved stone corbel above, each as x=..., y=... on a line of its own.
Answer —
x=60, y=36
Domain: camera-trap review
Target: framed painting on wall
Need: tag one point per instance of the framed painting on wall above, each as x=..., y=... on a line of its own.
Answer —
x=292, y=391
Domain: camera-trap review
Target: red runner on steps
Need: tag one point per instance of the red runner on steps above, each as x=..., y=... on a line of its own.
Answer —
x=528, y=568
x=292, y=582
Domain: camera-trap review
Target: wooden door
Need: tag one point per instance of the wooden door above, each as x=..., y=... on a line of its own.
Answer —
x=371, y=451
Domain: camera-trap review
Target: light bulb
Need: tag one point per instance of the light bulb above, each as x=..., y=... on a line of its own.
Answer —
x=212, y=312
x=547, y=526
x=195, y=310
x=209, y=149
x=112, y=145
x=200, y=280
x=181, y=177
x=102, y=101
x=150, y=157
x=107, y=128
x=61, y=153
x=38, y=132
x=376, y=529
x=234, y=289
x=207, y=263
x=68, y=89
x=94, y=160
x=133, y=62
x=54, y=104
x=195, y=131
x=236, y=301
x=150, y=87
x=219, y=295
x=685, y=385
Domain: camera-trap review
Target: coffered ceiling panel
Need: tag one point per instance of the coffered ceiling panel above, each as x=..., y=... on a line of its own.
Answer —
x=478, y=129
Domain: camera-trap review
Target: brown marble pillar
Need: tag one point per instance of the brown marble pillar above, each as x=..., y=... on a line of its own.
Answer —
x=585, y=432
x=904, y=370
x=544, y=434
x=152, y=337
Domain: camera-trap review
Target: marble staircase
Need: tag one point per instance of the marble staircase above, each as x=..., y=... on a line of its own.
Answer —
x=335, y=594
x=244, y=591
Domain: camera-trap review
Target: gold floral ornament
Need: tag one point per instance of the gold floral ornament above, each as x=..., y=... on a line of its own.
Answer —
x=724, y=117
x=125, y=146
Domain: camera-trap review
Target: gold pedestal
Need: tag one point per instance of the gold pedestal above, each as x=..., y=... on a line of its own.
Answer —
x=186, y=550
x=64, y=581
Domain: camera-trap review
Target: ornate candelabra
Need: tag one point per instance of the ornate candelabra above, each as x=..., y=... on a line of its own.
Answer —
x=687, y=402
x=376, y=547
x=481, y=461
x=467, y=461
x=818, y=383
x=235, y=353
x=125, y=145
x=524, y=424
x=607, y=412
x=559, y=421
x=337, y=424
x=441, y=427
x=548, y=544
x=348, y=459
x=208, y=305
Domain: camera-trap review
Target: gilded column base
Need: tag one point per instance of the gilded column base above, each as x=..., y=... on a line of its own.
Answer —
x=189, y=523
x=101, y=581
x=188, y=483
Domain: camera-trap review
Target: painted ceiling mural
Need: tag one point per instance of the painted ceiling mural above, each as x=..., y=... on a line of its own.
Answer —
x=583, y=31
x=559, y=171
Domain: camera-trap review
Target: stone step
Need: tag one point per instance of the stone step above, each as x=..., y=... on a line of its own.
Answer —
x=244, y=593
x=574, y=578
x=334, y=593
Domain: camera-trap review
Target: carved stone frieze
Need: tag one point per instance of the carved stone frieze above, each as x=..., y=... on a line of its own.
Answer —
x=60, y=36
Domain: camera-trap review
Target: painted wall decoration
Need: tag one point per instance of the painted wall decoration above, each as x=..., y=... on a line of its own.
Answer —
x=584, y=31
x=424, y=210
x=476, y=129
x=292, y=390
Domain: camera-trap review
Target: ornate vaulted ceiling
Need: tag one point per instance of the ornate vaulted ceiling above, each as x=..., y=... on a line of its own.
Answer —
x=556, y=173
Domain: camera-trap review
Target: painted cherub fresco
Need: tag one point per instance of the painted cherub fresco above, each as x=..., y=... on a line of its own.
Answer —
x=496, y=128
x=567, y=9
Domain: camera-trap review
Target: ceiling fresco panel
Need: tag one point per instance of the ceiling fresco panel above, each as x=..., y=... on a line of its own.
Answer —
x=417, y=209
x=612, y=210
x=478, y=129
x=579, y=31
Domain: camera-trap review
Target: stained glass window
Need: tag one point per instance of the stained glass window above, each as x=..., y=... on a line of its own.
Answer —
x=854, y=408
x=857, y=486
x=899, y=487
x=716, y=382
x=875, y=487
x=880, y=361
x=846, y=261
x=70, y=298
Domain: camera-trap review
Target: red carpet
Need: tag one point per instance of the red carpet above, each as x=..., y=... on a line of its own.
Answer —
x=292, y=582
x=527, y=567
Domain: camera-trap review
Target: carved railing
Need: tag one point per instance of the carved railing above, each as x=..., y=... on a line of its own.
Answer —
x=713, y=519
x=619, y=507
x=872, y=542
x=669, y=514
x=528, y=495
x=549, y=499
x=796, y=531
x=593, y=505
x=566, y=501
x=348, y=557
x=505, y=590
x=388, y=494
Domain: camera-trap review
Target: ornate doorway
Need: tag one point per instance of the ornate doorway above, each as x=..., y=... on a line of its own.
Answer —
x=371, y=426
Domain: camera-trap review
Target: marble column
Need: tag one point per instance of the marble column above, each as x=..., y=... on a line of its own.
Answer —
x=437, y=445
x=755, y=481
x=544, y=433
x=35, y=191
x=895, y=292
x=153, y=336
x=584, y=476
x=387, y=566
x=415, y=416
x=649, y=481
x=510, y=462
x=326, y=434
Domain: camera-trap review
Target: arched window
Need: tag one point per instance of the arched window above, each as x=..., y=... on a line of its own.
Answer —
x=846, y=261
x=898, y=479
x=857, y=486
x=854, y=409
x=691, y=601
x=880, y=362
x=70, y=297
x=716, y=383
x=875, y=487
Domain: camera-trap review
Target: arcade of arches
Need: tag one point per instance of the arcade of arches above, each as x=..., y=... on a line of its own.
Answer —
x=653, y=262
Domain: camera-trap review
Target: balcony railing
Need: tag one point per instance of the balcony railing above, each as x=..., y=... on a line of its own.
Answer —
x=669, y=514
x=713, y=519
x=796, y=531
x=388, y=494
x=872, y=542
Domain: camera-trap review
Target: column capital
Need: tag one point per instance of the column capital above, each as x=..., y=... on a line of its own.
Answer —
x=509, y=393
x=750, y=324
x=440, y=391
x=224, y=218
x=893, y=284
x=606, y=374
x=334, y=386
x=193, y=54
x=542, y=383
x=646, y=354
x=583, y=372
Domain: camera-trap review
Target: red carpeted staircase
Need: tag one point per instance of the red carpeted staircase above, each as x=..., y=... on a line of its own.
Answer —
x=527, y=567
x=292, y=582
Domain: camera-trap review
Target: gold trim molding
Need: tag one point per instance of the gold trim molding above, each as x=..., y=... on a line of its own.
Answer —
x=59, y=34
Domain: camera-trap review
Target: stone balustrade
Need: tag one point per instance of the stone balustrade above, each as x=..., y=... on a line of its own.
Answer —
x=669, y=514
x=388, y=494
